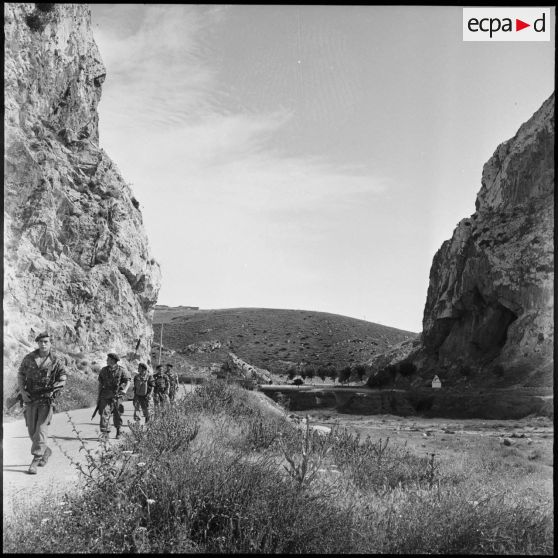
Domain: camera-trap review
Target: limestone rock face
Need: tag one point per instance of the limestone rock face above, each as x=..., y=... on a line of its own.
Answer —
x=489, y=307
x=76, y=256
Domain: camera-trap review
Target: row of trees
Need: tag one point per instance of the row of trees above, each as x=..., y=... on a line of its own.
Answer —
x=343, y=375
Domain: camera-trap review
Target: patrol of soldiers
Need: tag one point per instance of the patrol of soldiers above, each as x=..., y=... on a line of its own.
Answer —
x=162, y=387
x=41, y=377
x=143, y=390
x=173, y=378
x=113, y=384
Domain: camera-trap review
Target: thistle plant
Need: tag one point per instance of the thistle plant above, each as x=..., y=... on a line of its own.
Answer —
x=304, y=466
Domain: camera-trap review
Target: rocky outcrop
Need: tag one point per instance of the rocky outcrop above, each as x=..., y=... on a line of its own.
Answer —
x=76, y=256
x=488, y=316
x=235, y=368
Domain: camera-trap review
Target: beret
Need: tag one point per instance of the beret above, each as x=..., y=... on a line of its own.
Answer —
x=42, y=335
x=114, y=356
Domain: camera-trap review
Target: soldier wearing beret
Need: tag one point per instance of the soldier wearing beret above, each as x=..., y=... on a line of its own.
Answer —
x=113, y=384
x=41, y=376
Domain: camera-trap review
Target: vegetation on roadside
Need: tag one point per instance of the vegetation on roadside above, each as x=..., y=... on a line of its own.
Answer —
x=217, y=473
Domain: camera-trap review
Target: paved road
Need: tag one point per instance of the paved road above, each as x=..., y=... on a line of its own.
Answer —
x=59, y=475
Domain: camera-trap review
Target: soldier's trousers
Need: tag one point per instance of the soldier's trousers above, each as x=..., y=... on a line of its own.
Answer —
x=144, y=404
x=160, y=399
x=109, y=407
x=38, y=415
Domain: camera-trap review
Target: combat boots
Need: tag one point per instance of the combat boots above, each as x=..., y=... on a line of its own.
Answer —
x=117, y=433
x=33, y=467
x=45, y=456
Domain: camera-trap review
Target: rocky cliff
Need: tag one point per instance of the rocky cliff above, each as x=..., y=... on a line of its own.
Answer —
x=488, y=316
x=76, y=256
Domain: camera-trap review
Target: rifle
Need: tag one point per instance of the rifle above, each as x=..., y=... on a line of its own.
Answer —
x=13, y=399
x=95, y=411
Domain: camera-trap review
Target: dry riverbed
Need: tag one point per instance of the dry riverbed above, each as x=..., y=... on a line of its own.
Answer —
x=530, y=438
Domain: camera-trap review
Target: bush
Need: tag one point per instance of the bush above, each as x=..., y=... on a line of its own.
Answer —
x=459, y=520
x=406, y=368
x=185, y=499
x=381, y=378
x=45, y=7
x=35, y=22
x=379, y=466
x=187, y=482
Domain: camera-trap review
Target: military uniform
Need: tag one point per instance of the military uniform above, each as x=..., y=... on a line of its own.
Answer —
x=111, y=382
x=173, y=387
x=42, y=378
x=143, y=402
x=161, y=389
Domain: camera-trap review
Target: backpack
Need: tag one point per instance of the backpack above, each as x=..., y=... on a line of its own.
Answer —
x=140, y=385
x=161, y=382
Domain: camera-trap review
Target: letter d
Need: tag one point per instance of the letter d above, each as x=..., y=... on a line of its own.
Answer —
x=537, y=22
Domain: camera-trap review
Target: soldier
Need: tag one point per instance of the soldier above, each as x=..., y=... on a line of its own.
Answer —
x=162, y=385
x=40, y=378
x=143, y=389
x=113, y=384
x=173, y=378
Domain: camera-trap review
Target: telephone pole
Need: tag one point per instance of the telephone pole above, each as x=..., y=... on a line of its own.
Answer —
x=161, y=343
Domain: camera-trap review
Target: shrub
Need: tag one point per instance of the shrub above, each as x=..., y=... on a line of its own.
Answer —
x=381, y=378
x=344, y=374
x=35, y=22
x=219, y=396
x=379, y=466
x=406, y=368
x=45, y=7
x=259, y=434
x=195, y=498
x=458, y=520
x=169, y=487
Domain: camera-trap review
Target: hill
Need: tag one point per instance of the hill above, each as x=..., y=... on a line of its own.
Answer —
x=274, y=339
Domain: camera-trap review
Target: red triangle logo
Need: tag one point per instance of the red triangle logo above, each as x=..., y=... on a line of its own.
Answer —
x=519, y=25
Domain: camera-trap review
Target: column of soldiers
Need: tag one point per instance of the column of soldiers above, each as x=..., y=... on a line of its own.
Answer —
x=42, y=375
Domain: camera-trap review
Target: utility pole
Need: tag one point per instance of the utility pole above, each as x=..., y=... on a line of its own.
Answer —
x=161, y=343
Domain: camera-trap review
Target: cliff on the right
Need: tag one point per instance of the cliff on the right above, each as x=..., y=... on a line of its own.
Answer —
x=488, y=317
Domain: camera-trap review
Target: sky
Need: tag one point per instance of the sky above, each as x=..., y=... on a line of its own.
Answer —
x=306, y=157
